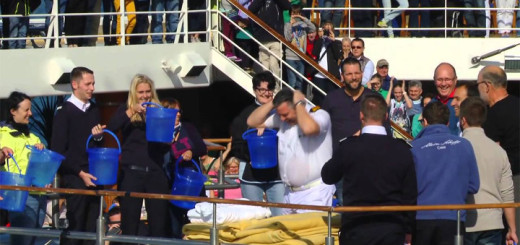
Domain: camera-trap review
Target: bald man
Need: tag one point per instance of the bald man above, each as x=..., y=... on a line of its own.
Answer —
x=502, y=124
x=445, y=78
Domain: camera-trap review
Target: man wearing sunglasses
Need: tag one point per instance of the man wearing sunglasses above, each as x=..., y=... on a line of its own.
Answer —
x=367, y=66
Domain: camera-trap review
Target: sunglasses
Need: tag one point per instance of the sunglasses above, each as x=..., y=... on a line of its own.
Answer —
x=357, y=47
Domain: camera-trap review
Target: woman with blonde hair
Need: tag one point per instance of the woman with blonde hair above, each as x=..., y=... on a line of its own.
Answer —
x=141, y=161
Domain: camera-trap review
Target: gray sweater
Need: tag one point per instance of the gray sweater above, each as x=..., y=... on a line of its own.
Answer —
x=297, y=35
x=496, y=182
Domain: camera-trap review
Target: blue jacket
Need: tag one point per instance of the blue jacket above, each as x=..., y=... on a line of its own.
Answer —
x=446, y=170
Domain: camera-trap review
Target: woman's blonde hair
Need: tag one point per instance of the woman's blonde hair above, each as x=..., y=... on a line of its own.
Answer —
x=132, y=95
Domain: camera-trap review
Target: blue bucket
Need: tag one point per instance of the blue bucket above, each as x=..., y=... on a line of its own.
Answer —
x=103, y=163
x=43, y=165
x=13, y=200
x=160, y=123
x=263, y=149
x=187, y=183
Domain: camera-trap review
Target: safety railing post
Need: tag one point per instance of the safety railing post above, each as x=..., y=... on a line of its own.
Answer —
x=100, y=226
x=329, y=240
x=213, y=236
x=458, y=236
x=122, y=10
x=55, y=203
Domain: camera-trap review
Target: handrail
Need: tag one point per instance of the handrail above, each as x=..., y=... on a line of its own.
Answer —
x=280, y=38
x=400, y=130
x=388, y=208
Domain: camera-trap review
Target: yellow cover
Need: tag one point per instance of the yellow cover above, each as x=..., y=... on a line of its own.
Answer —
x=306, y=228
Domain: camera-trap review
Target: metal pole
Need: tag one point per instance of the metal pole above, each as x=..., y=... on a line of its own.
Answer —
x=458, y=237
x=329, y=240
x=213, y=236
x=100, y=229
x=55, y=203
x=122, y=22
x=220, y=176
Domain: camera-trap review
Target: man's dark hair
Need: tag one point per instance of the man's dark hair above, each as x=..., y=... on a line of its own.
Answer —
x=350, y=61
x=285, y=95
x=471, y=88
x=357, y=39
x=436, y=112
x=296, y=8
x=374, y=107
x=474, y=110
x=264, y=76
x=426, y=95
x=77, y=73
x=113, y=211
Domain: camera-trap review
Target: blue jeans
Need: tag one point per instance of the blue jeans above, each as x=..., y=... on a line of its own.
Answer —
x=490, y=237
x=334, y=16
x=414, y=17
x=273, y=191
x=172, y=19
x=31, y=217
x=475, y=18
x=294, y=80
x=18, y=27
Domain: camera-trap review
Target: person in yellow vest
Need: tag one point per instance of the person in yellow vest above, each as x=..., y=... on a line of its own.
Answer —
x=14, y=136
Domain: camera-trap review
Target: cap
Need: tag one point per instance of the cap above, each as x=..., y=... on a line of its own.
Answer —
x=382, y=62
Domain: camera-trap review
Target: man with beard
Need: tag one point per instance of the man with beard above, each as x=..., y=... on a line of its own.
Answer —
x=343, y=106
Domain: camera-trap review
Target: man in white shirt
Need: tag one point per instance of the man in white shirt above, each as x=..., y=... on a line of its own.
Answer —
x=304, y=145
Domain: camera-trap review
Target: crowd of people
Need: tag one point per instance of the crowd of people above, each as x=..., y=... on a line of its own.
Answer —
x=79, y=25
x=139, y=23
x=343, y=148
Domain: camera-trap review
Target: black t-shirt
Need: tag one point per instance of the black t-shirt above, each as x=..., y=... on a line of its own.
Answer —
x=503, y=125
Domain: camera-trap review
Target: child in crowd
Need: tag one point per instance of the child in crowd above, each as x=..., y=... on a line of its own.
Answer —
x=398, y=106
x=296, y=31
x=375, y=85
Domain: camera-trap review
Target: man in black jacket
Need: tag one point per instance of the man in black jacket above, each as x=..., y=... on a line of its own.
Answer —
x=377, y=170
x=73, y=124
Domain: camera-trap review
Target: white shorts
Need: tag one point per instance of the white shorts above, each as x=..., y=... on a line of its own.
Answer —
x=319, y=195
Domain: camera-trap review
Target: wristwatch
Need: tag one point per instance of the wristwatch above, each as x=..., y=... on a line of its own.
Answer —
x=303, y=102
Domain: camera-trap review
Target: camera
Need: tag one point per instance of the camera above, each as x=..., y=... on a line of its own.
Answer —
x=326, y=33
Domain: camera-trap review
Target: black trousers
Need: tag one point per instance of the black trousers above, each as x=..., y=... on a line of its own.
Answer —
x=376, y=233
x=82, y=210
x=436, y=232
x=152, y=181
x=75, y=25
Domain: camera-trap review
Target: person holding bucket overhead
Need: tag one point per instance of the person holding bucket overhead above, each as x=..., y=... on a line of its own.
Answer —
x=14, y=136
x=304, y=145
x=254, y=182
x=74, y=121
x=186, y=149
x=141, y=161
